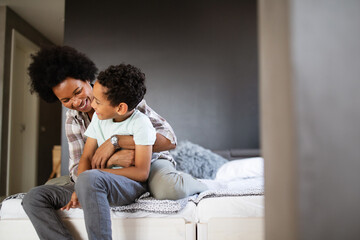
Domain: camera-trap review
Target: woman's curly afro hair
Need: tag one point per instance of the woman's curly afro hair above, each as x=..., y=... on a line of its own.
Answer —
x=124, y=83
x=52, y=65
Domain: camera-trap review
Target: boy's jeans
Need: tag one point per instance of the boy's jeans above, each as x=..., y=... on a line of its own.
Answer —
x=96, y=191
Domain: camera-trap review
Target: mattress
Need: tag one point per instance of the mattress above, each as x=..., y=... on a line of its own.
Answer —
x=234, y=217
x=138, y=225
x=12, y=209
x=231, y=218
x=229, y=207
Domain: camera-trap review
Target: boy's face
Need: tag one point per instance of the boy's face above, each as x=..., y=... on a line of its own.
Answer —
x=101, y=105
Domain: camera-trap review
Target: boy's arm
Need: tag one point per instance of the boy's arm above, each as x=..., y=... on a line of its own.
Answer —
x=84, y=164
x=140, y=171
x=106, y=150
x=89, y=150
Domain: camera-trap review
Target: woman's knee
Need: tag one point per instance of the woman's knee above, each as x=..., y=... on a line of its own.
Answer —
x=167, y=183
x=170, y=186
x=36, y=196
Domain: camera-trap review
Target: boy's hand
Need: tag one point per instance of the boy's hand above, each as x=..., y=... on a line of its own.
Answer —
x=102, y=155
x=74, y=203
x=123, y=158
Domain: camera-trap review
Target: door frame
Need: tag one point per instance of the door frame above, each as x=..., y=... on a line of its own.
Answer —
x=20, y=41
x=10, y=20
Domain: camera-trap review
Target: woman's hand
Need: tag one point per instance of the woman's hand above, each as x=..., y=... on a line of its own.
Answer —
x=123, y=158
x=74, y=203
x=102, y=155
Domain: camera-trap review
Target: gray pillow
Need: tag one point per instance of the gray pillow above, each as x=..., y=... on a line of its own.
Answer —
x=196, y=160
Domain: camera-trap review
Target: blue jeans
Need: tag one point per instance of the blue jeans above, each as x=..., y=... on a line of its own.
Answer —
x=96, y=191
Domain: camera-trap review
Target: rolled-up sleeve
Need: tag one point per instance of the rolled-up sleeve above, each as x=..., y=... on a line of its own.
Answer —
x=159, y=123
x=74, y=129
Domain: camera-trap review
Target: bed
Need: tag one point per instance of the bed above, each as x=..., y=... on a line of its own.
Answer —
x=14, y=224
x=239, y=218
x=232, y=208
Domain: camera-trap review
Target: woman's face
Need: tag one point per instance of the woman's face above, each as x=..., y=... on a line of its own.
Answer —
x=74, y=94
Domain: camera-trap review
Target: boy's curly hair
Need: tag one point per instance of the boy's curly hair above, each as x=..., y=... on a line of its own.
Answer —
x=125, y=83
x=52, y=65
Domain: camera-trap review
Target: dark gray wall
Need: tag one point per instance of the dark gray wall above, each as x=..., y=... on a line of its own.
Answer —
x=199, y=57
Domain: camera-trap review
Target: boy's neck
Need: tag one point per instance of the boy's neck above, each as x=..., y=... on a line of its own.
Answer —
x=90, y=113
x=121, y=118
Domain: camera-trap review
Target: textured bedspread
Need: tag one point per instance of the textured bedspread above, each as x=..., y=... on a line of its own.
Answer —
x=235, y=187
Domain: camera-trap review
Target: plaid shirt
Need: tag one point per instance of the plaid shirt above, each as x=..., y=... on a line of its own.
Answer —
x=77, y=123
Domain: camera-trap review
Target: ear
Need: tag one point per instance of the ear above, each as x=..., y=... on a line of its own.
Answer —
x=122, y=108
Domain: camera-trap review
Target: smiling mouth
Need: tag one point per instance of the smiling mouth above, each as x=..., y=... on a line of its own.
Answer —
x=83, y=105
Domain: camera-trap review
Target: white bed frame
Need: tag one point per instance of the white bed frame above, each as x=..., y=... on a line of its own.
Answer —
x=230, y=228
x=132, y=229
x=151, y=228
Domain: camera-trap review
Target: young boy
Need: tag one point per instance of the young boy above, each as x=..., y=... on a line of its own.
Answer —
x=118, y=90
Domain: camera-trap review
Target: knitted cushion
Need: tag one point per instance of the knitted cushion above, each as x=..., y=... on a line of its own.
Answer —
x=196, y=160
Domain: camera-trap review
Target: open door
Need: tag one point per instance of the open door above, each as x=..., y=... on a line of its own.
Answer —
x=23, y=120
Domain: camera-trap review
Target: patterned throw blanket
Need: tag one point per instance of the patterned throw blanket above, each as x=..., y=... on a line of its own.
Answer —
x=240, y=187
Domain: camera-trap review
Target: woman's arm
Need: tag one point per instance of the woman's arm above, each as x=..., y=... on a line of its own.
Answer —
x=74, y=130
x=122, y=158
x=106, y=151
x=161, y=143
x=140, y=171
x=163, y=129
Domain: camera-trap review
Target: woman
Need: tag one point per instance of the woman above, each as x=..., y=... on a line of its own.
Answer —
x=64, y=74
